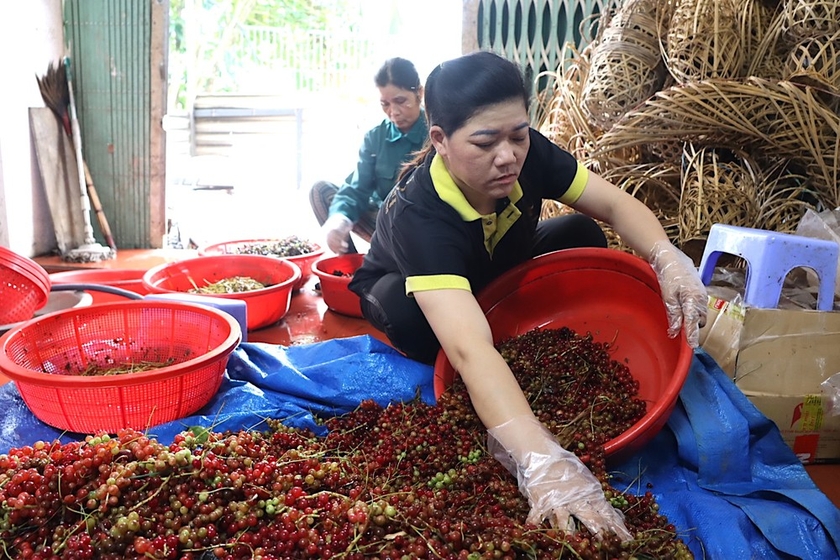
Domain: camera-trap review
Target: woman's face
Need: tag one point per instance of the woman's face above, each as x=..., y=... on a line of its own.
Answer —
x=486, y=155
x=401, y=105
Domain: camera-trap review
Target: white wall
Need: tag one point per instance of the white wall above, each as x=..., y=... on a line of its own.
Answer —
x=31, y=37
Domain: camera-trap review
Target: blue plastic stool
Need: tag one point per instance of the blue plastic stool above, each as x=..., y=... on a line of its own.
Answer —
x=770, y=257
x=236, y=308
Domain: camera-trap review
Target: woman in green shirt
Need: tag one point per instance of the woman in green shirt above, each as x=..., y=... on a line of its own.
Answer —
x=385, y=148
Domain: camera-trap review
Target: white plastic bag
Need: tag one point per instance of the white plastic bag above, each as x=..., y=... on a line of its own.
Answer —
x=831, y=389
x=824, y=225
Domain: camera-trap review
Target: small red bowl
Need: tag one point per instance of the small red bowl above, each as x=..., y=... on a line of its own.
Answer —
x=335, y=274
x=264, y=307
x=240, y=246
x=614, y=296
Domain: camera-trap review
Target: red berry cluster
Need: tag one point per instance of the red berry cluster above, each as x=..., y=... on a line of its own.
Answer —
x=574, y=386
x=402, y=482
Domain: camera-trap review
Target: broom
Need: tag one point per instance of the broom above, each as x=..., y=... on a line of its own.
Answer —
x=56, y=94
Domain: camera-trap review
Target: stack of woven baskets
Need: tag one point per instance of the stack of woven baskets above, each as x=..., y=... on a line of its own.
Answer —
x=710, y=111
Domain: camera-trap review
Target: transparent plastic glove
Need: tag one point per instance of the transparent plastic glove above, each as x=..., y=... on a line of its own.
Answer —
x=557, y=484
x=685, y=296
x=337, y=231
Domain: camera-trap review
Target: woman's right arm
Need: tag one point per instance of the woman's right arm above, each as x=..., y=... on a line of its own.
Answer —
x=352, y=198
x=558, y=486
x=462, y=329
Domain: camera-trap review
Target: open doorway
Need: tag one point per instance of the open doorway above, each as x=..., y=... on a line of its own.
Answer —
x=265, y=98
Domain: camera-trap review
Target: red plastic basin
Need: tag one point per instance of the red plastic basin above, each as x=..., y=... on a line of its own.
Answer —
x=609, y=293
x=240, y=246
x=264, y=307
x=333, y=273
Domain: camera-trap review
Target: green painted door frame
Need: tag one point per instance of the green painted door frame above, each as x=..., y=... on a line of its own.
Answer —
x=532, y=33
x=118, y=54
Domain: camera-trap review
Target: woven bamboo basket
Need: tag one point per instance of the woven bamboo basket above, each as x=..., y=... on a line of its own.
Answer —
x=718, y=187
x=763, y=34
x=565, y=122
x=785, y=195
x=704, y=41
x=805, y=19
x=681, y=149
x=757, y=19
x=657, y=185
x=815, y=62
x=626, y=66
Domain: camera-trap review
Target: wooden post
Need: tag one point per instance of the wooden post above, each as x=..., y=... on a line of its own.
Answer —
x=157, y=138
x=469, y=26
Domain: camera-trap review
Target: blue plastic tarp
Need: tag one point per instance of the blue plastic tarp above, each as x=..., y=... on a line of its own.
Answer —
x=719, y=470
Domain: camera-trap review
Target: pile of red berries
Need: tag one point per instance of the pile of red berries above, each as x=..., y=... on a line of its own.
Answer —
x=407, y=481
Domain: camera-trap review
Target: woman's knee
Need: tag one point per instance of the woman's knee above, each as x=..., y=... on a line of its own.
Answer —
x=320, y=197
x=389, y=310
x=567, y=232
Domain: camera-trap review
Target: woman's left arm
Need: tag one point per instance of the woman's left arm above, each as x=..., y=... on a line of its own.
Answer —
x=683, y=292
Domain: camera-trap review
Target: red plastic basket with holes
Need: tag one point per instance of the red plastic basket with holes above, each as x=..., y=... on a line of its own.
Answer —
x=243, y=246
x=264, y=306
x=24, y=287
x=60, y=363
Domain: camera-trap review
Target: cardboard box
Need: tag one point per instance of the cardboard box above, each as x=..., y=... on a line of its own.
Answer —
x=779, y=358
x=813, y=435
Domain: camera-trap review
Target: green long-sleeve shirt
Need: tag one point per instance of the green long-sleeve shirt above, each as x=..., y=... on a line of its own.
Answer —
x=384, y=149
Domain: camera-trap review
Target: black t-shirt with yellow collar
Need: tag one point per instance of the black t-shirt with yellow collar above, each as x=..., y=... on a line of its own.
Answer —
x=429, y=233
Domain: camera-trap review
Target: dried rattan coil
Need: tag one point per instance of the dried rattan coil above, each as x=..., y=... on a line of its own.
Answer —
x=704, y=41
x=718, y=187
x=778, y=117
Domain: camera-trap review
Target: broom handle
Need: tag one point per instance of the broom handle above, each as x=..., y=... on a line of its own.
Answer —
x=97, y=207
x=77, y=145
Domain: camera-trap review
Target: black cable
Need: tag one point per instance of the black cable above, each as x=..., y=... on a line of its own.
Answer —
x=95, y=287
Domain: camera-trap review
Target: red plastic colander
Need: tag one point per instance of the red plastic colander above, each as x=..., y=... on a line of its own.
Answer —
x=183, y=348
x=24, y=287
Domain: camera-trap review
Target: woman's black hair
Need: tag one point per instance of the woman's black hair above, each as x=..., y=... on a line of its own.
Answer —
x=457, y=89
x=399, y=72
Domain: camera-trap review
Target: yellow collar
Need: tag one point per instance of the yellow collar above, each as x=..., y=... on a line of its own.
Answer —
x=449, y=192
x=494, y=226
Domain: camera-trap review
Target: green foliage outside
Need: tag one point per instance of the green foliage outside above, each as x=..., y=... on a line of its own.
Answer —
x=205, y=34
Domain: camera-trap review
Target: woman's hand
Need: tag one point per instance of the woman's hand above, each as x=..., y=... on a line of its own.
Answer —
x=685, y=296
x=558, y=486
x=337, y=231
